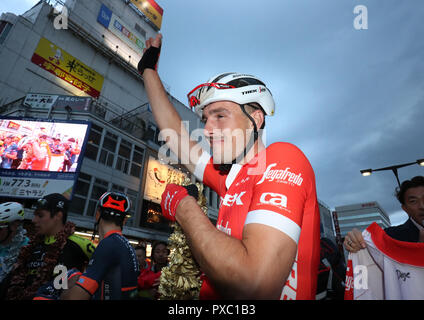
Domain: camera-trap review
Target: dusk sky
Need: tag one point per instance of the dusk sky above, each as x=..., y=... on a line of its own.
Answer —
x=349, y=99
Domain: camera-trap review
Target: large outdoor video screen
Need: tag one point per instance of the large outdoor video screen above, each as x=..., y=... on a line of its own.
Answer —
x=39, y=156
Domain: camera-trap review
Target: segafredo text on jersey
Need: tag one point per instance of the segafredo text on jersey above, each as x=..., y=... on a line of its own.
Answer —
x=281, y=176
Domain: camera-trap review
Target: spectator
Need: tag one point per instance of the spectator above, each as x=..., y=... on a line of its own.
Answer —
x=145, y=265
x=10, y=152
x=411, y=197
x=113, y=271
x=54, y=243
x=140, y=252
x=12, y=239
x=391, y=256
x=148, y=281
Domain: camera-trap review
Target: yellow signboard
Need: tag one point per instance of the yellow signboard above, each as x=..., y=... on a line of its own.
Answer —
x=158, y=176
x=151, y=10
x=60, y=63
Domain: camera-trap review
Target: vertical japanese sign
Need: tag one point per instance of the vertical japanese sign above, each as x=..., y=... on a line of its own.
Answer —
x=58, y=62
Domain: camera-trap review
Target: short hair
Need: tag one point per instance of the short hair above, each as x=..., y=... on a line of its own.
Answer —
x=140, y=247
x=417, y=181
x=155, y=244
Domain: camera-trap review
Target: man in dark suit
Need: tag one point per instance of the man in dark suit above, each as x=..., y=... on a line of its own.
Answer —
x=411, y=196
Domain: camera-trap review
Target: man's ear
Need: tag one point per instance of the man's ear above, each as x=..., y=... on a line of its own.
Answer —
x=58, y=216
x=258, y=117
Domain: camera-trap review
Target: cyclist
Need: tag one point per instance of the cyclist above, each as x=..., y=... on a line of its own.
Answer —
x=112, y=273
x=12, y=239
x=53, y=244
x=266, y=244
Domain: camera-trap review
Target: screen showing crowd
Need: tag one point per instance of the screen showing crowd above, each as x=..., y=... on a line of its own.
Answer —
x=41, y=145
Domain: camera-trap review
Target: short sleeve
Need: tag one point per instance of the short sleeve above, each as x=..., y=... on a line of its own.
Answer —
x=282, y=192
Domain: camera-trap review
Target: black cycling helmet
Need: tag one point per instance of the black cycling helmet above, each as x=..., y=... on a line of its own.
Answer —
x=53, y=203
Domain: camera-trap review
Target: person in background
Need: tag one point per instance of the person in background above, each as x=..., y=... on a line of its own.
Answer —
x=145, y=265
x=148, y=281
x=140, y=251
x=10, y=152
x=411, y=197
x=12, y=239
x=53, y=244
x=112, y=272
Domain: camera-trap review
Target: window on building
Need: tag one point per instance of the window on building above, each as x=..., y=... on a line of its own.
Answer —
x=218, y=201
x=107, y=152
x=99, y=187
x=137, y=161
x=81, y=190
x=93, y=142
x=124, y=156
x=132, y=195
x=4, y=30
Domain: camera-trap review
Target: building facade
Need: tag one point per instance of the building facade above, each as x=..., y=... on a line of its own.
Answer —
x=360, y=216
x=77, y=60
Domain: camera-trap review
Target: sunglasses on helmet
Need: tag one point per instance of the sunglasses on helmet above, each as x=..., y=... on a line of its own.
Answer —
x=193, y=95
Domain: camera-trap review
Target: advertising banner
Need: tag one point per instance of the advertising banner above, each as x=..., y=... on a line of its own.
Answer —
x=151, y=10
x=123, y=32
x=104, y=16
x=58, y=62
x=46, y=101
x=158, y=176
x=34, y=185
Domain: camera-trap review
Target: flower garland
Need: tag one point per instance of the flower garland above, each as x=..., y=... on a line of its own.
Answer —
x=181, y=278
x=17, y=289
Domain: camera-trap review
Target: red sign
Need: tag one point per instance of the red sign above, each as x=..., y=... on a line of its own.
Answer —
x=13, y=125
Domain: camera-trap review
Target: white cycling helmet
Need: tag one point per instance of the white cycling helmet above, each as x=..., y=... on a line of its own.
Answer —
x=231, y=86
x=11, y=211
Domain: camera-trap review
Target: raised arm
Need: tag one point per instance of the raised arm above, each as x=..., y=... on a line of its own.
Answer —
x=166, y=116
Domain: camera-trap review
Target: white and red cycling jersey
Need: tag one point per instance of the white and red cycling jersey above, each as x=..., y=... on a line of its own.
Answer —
x=388, y=269
x=277, y=189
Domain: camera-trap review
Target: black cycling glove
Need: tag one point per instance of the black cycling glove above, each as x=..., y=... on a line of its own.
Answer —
x=149, y=60
x=192, y=191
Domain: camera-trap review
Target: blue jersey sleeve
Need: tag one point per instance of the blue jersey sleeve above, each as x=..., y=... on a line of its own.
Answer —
x=102, y=260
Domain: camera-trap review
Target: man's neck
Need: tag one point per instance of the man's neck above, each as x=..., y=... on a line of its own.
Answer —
x=55, y=230
x=104, y=228
x=257, y=147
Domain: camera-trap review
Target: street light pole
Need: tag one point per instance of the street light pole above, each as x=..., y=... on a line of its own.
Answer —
x=394, y=169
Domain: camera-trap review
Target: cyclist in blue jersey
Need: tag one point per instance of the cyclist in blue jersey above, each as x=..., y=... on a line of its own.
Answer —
x=113, y=270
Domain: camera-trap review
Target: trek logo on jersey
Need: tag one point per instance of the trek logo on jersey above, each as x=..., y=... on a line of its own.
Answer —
x=274, y=199
x=281, y=176
x=230, y=200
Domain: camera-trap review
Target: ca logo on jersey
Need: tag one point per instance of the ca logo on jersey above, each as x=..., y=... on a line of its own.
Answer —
x=274, y=199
